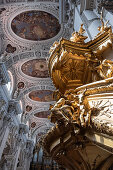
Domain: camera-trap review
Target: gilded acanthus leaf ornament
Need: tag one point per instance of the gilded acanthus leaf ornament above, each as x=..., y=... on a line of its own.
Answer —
x=71, y=109
x=105, y=69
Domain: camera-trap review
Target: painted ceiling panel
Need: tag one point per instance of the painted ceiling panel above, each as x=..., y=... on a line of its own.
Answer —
x=36, y=68
x=41, y=95
x=44, y=114
x=35, y=25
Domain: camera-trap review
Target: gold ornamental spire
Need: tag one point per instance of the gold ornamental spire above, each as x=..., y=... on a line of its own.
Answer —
x=78, y=37
x=103, y=26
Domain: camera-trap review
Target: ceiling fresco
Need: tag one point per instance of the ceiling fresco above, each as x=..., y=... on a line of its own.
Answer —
x=43, y=114
x=35, y=25
x=41, y=95
x=36, y=68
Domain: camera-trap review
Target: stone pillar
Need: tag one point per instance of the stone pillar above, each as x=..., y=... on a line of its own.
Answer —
x=10, y=124
x=26, y=156
x=16, y=160
x=29, y=153
x=12, y=159
x=6, y=127
x=3, y=141
x=16, y=147
x=3, y=133
x=92, y=22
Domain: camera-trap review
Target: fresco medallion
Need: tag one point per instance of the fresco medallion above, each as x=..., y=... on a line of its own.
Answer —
x=36, y=68
x=21, y=85
x=35, y=25
x=28, y=108
x=41, y=95
x=33, y=124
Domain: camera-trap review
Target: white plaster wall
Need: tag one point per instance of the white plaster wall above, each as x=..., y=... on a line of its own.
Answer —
x=93, y=28
x=90, y=14
x=109, y=16
x=77, y=21
x=92, y=21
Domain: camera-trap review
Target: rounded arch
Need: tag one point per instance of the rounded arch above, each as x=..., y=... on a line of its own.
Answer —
x=41, y=128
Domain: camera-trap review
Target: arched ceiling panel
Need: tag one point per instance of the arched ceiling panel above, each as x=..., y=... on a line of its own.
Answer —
x=44, y=114
x=35, y=68
x=35, y=25
x=41, y=95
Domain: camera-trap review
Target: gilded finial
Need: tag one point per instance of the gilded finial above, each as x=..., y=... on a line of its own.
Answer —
x=81, y=30
x=103, y=26
x=78, y=36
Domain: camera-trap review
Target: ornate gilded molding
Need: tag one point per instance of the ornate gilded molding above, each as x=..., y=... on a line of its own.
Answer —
x=74, y=63
x=84, y=97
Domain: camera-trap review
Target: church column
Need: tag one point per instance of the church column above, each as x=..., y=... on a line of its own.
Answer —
x=17, y=156
x=3, y=141
x=26, y=156
x=4, y=122
x=29, y=153
x=10, y=124
x=17, y=145
x=4, y=134
x=12, y=157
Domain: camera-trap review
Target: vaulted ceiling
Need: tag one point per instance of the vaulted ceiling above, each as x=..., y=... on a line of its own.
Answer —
x=27, y=30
